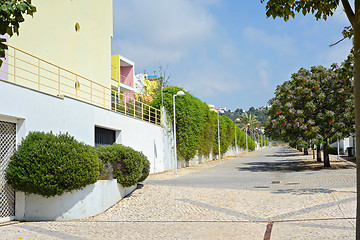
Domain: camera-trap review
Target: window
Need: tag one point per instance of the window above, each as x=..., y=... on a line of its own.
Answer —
x=77, y=27
x=104, y=136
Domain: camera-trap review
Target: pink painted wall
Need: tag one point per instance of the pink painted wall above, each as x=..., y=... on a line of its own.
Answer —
x=4, y=67
x=129, y=95
x=127, y=75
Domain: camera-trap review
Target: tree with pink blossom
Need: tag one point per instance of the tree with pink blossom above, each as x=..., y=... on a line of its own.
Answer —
x=316, y=106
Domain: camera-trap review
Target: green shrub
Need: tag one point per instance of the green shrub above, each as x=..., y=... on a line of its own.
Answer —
x=128, y=166
x=49, y=165
x=146, y=168
x=333, y=150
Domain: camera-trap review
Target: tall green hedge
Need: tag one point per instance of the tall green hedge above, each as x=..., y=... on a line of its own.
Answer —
x=196, y=126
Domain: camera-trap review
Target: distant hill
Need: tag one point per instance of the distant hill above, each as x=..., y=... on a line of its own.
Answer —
x=260, y=113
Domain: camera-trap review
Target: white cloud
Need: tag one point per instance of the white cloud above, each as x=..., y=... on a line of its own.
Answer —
x=263, y=68
x=229, y=51
x=211, y=84
x=164, y=29
x=281, y=44
x=144, y=55
x=264, y=76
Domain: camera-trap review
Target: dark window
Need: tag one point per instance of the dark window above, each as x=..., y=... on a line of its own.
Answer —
x=104, y=136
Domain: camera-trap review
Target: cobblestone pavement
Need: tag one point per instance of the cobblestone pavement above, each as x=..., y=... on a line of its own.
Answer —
x=276, y=189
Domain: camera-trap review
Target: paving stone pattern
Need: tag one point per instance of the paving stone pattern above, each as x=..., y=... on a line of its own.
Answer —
x=234, y=199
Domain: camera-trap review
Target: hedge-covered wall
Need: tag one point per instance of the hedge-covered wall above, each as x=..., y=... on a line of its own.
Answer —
x=196, y=126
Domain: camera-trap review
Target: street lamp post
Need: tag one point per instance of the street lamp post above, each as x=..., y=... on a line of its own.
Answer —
x=255, y=137
x=178, y=94
x=235, y=137
x=219, y=134
x=247, y=148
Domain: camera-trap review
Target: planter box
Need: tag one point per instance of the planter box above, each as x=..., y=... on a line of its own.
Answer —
x=89, y=201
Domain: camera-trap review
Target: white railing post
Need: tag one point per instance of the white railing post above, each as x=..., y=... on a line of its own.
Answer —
x=39, y=74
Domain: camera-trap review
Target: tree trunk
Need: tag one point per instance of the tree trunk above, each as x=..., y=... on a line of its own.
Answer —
x=313, y=152
x=318, y=153
x=356, y=40
x=306, y=151
x=326, y=155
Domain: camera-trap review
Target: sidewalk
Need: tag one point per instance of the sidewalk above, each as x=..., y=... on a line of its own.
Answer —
x=269, y=194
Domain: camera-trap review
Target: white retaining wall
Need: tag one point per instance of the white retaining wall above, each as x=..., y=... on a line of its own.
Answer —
x=201, y=159
x=89, y=201
x=35, y=111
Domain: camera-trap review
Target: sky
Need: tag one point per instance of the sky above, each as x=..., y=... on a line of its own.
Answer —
x=224, y=52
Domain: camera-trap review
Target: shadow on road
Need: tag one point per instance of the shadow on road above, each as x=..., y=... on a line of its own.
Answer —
x=350, y=159
x=293, y=165
x=283, y=155
x=303, y=191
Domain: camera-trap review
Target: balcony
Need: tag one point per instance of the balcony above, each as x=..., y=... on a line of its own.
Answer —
x=26, y=70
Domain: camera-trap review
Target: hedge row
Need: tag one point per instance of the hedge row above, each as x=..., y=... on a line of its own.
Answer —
x=196, y=126
x=49, y=165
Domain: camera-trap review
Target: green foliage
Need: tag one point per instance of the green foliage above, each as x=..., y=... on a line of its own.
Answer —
x=287, y=8
x=260, y=115
x=11, y=15
x=241, y=140
x=129, y=166
x=196, y=125
x=249, y=121
x=48, y=165
x=146, y=168
x=334, y=150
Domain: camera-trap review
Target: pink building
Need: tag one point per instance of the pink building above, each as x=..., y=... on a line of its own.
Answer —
x=122, y=75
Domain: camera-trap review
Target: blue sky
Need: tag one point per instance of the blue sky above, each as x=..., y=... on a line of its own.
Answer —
x=224, y=52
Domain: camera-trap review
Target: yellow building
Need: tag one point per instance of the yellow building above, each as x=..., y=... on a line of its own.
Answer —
x=72, y=34
x=146, y=87
x=151, y=85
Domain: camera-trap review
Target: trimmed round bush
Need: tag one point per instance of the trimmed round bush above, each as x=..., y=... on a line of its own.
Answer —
x=146, y=168
x=128, y=165
x=49, y=165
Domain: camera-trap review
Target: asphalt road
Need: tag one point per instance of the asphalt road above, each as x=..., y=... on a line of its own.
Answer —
x=275, y=169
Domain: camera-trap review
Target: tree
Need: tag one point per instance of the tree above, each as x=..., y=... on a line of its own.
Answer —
x=11, y=15
x=322, y=9
x=289, y=113
x=314, y=106
x=249, y=121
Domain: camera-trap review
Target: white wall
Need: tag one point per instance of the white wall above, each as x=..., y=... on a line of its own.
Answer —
x=87, y=202
x=343, y=144
x=35, y=111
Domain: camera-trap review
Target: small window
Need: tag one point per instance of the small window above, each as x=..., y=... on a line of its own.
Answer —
x=104, y=136
x=77, y=27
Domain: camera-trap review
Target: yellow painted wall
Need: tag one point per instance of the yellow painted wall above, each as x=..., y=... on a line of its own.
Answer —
x=115, y=61
x=51, y=35
x=150, y=87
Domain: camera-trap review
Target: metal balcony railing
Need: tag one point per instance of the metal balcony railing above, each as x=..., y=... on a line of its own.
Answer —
x=27, y=70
